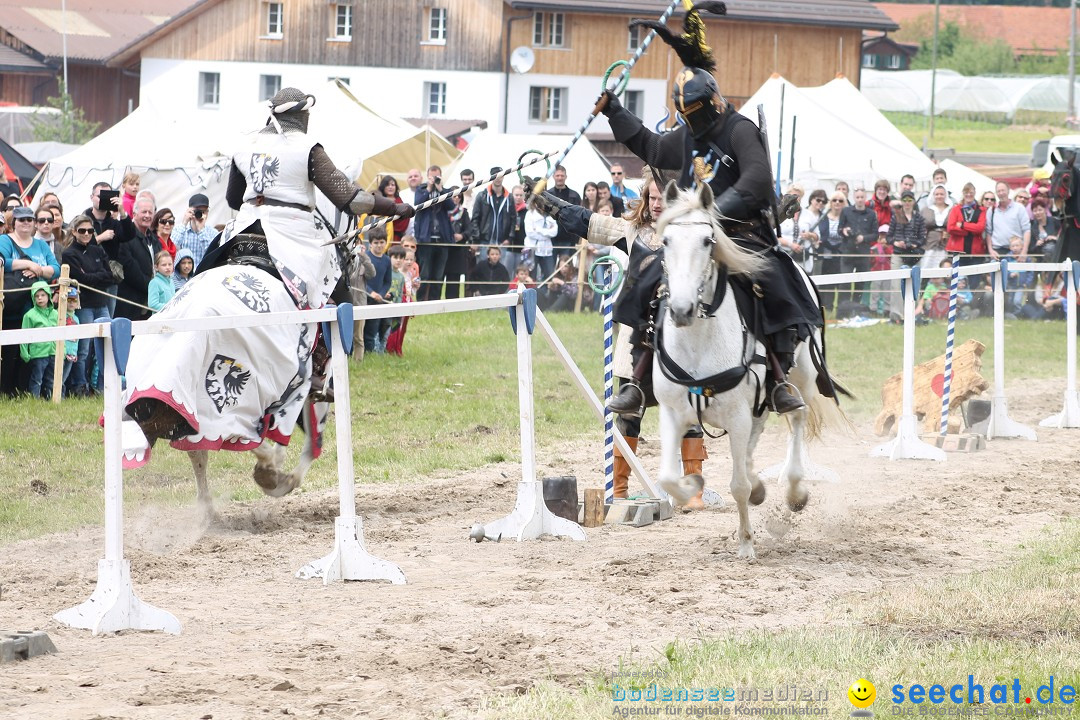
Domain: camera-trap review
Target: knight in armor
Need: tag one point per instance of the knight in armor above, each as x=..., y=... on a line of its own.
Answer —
x=719, y=146
x=229, y=389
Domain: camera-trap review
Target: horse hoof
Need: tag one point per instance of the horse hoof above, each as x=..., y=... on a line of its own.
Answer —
x=685, y=488
x=746, y=551
x=757, y=492
x=797, y=500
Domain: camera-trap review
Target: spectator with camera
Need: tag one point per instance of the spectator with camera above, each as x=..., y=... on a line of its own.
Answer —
x=112, y=228
x=434, y=233
x=89, y=266
x=194, y=232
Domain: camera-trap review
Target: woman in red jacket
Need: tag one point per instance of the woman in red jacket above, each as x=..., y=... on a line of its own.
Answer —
x=966, y=224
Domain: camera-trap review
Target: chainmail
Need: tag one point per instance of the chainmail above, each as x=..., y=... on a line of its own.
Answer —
x=295, y=120
x=331, y=181
x=289, y=122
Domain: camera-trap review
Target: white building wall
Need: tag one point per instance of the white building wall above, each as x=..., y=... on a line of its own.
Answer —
x=173, y=86
x=581, y=96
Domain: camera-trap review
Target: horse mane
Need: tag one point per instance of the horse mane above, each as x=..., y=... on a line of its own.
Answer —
x=725, y=251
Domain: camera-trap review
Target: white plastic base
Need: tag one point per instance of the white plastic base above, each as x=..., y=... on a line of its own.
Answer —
x=907, y=445
x=1001, y=425
x=113, y=605
x=349, y=560
x=1069, y=417
x=531, y=518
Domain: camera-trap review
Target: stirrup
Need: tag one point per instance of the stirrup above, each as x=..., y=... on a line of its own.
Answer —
x=796, y=402
x=629, y=412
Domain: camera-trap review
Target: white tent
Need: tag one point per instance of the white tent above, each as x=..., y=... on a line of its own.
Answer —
x=837, y=136
x=490, y=149
x=959, y=175
x=180, y=156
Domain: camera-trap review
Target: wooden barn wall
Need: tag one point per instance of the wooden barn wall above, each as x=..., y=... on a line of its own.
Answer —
x=747, y=53
x=101, y=92
x=385, y=34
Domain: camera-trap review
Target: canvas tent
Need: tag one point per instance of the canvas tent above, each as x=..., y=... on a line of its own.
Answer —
x=489, y=149
x=178, y=157
x=838, y=136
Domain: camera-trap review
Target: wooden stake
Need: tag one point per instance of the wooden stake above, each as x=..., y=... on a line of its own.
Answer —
x=594, y=507
x=58, y=358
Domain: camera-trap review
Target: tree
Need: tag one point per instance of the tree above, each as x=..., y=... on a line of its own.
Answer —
x=969, y=53
x=68, y=125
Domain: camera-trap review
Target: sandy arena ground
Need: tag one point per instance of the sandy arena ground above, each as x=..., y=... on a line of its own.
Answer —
x=495, y=618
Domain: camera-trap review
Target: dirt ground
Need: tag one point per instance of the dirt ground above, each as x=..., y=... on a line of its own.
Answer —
x=495, y=618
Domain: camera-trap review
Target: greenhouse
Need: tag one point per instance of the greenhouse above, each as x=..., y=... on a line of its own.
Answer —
x=994, y=99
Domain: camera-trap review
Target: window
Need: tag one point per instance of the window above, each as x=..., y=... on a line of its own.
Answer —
x=869, y=61
x=274, y=16
x=434, y=98
x=209, y=89
x=269, y=86
x=342, y=80
x=342, y=29
x=546, y=104
x=436, y=26
x=637, y=34
x=634, y=101
x=548, y=30
x=894, y=62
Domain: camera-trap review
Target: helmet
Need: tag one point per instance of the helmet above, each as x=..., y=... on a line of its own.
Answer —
x=697, y=98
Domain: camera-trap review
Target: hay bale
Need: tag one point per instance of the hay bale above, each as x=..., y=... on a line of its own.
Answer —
x=967, y=382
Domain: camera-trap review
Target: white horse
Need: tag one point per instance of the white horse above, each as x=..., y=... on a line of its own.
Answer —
x=695, y=251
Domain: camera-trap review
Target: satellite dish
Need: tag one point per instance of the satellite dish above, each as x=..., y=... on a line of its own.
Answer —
x=522, y=59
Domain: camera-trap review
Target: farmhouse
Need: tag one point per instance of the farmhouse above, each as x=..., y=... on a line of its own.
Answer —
x=441, y=59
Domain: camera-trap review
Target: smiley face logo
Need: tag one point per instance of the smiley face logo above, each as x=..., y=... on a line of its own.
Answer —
x=862, y=693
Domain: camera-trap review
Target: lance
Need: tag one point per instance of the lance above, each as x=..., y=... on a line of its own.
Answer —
x=442, y=197
x=623, y=78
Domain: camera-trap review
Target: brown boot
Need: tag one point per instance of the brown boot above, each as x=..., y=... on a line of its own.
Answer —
x=693, y=453
x=622, y=470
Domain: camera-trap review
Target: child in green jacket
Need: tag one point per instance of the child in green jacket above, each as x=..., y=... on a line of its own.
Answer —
x=39, y=355
x=161, y=289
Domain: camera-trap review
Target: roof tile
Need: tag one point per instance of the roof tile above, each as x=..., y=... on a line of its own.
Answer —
x=1028, y=30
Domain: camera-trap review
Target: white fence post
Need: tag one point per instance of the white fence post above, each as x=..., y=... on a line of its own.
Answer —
x=1000, y=424
x=908, y=444
x=113, y=605
x=1069, y=417
x=530, y=517
x=348, y=560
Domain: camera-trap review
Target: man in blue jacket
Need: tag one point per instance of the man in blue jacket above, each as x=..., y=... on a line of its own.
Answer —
x=434, y=234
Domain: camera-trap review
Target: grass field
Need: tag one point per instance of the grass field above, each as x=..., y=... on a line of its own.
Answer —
x=1012, y=622
x=450, y=404
x=969, y=136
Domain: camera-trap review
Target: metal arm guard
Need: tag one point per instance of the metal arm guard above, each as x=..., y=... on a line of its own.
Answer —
x=332, y=182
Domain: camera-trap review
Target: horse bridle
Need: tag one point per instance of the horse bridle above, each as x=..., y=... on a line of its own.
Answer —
x=703, y=310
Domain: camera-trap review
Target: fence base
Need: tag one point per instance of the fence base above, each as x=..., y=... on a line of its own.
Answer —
x=1069, y=417
x=531, y=518
x=907, y=445
x=113, y=605
x=349, y=560
x=1000, y=425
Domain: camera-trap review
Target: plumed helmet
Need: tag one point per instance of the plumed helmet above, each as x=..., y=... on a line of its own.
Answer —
x=697, y=98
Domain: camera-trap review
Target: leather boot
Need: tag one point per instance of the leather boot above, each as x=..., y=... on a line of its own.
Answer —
x=622, y=470
x=783, y=396
x=630, y=402
x=693, y=453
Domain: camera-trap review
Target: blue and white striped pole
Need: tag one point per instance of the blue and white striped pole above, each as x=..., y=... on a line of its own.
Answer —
x=950, y=335
x=609, y=371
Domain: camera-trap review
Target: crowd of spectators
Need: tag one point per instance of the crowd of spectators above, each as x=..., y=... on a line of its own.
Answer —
x=857, y=230
x=126, y=258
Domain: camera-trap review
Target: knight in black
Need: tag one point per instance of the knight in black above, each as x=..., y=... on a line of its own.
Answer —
x=719, y=146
